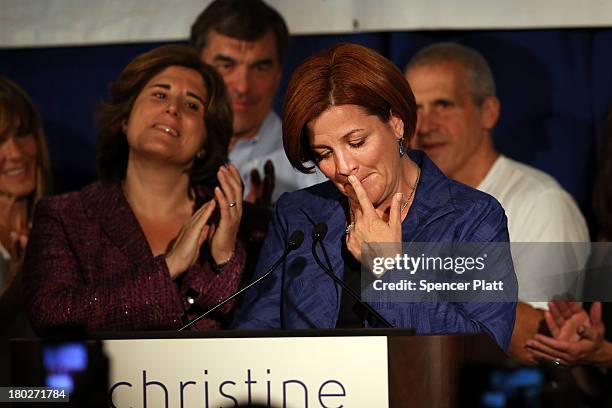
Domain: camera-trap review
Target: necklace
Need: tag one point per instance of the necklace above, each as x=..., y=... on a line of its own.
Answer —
x=352, y=224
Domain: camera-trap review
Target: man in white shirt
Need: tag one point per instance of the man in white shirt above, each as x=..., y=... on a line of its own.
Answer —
x=458, y=110
x=247, y=42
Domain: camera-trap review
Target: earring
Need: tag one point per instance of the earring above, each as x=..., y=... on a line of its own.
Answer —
x=200, y=155
x=402, y=151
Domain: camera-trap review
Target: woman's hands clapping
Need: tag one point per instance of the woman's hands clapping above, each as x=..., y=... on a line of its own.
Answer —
x=222, y=237
x=17, y=236
x=577, y=336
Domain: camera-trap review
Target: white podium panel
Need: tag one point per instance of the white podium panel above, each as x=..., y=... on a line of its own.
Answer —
x=227, y=372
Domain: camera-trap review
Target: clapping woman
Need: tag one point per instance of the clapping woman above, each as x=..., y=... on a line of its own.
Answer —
x=24, y=174
x=24, y=179
x=578, y=336
x=153, y=243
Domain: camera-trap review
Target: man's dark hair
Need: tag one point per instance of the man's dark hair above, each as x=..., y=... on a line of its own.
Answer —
x=246, y=20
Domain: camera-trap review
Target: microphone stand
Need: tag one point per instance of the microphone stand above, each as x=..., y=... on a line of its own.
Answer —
x=295, y=240
x=317, y=236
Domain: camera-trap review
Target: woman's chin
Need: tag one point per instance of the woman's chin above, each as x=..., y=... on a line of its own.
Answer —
x=164, y=158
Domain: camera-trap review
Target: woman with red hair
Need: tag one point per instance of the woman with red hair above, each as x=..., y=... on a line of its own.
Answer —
x=350, y=111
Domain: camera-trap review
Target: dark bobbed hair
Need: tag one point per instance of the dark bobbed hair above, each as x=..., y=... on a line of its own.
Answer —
x=602, y=192
x=112, y=142
x=246, y=20
x=347, y=74
x=17, y=106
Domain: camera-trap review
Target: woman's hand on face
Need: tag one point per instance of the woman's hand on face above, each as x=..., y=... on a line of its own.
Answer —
x=370, y=227
x=577, y=337
x=222, y=237
x=186, y=247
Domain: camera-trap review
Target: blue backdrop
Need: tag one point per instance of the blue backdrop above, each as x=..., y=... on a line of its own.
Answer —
x=555, y=87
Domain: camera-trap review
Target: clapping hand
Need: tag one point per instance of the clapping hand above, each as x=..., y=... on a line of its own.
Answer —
x=577, y=337
x=260, y=192
x=221, y=238
x=186, y=247
x=18, y=239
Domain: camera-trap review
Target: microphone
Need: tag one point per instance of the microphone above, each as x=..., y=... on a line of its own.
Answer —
x=318, y=234
x=319, y=231
x=294, y=242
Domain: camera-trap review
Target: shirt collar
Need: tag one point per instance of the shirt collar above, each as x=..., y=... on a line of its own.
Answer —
x=267, y=128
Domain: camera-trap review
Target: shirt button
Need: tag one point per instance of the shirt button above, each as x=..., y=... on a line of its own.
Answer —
x=190, y=300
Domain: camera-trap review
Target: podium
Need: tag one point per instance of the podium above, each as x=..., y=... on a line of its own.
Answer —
x=314, y=368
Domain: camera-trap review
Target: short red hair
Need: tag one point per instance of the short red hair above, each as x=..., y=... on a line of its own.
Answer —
x=347, y=74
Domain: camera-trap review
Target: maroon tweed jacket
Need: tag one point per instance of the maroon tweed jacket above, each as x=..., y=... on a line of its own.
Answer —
x=88, y=263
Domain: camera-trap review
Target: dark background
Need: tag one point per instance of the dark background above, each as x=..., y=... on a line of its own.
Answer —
x=555, y=87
